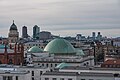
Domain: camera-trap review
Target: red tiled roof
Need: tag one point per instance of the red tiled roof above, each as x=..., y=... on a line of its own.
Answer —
x=116, y=62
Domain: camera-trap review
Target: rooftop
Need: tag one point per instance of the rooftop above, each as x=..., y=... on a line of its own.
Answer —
x=35, y=49
x=13, y=26
x=61, y=73
x=60, y=46
x=89, y=68
x=96, y=74
x=112, y=62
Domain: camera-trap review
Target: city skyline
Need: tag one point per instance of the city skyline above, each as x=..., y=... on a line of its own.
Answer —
x=62, y=17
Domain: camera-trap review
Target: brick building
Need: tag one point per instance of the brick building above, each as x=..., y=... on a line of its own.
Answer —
x=11, y=56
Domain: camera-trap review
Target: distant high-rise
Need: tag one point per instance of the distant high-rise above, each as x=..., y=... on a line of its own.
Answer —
x=99, y=36
x=93, y=35
x=98, y=33
x=78, y=37
x=36, y=31
x=24, y=32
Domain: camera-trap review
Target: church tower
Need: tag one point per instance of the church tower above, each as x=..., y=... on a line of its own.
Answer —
x=13, y=35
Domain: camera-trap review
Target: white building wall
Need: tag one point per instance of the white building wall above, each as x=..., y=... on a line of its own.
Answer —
x=117, y=78
x=95, y=78
x=20, y=76
x=58, y=77
x=37, y=72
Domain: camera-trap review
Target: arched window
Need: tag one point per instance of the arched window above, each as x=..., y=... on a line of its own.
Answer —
x=10, y=61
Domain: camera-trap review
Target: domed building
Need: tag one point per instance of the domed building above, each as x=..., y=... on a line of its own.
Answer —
x=35, y=53
x=13, y=35
x=60, y=47
x=35, y=49
x=61, y=51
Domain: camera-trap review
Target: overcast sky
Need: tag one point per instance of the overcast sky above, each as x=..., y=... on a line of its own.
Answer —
x=62, y=17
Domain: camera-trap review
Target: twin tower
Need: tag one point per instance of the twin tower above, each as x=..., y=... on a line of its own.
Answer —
x=13, y=35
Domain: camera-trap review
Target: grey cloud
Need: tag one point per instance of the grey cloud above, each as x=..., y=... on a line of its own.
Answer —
x=61, y=14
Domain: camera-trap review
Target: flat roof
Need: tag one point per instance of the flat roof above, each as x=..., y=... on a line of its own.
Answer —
x=14, y=72
x=61, y=73
x=14, y=67
x=91, y=74
x=89, y=68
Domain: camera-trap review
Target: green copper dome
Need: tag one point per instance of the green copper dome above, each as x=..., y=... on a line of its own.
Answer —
x=60, y=46
x=2, y=46
x=62, y=65
x=35, y=49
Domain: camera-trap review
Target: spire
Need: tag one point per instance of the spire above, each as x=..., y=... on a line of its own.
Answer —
x=13, y=26
x=13, y=21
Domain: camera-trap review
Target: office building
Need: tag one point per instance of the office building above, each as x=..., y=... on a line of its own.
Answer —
x=44, y=35
x=36, y=31
x=24, y=32
x=93, y=35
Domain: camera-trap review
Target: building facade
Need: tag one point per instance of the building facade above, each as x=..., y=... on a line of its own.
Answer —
x=44, y=35
x=60, y=51
x=11, y=56
x=13, y=35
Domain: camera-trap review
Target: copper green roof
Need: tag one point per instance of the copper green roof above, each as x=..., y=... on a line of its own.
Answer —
x=35, y=49
x=79, y=52
x=62, y=65
x=2, y=46
x=58, y=46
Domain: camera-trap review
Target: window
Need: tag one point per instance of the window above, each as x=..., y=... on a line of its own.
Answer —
x=61, y=78
x=69, y=79
x=46, y=78
x=32, y=73
x=106, y=65
x=55, y=65
x=51, y=65
x=10, y=78
x=47, y=65
x=16, y=77
x=42, y=64
x=40, y=72
x=32, y=78
x=4, y=77
x=54, y=79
